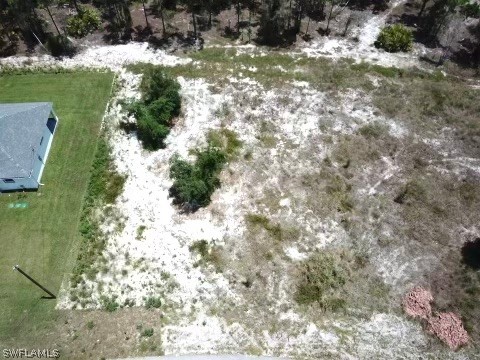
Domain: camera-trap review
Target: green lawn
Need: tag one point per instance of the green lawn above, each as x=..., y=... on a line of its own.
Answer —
x=42, y=238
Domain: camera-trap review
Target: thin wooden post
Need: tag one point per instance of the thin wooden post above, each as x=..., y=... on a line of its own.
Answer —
x=17, y=268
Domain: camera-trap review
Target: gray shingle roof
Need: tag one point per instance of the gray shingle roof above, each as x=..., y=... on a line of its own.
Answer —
x=21, y=129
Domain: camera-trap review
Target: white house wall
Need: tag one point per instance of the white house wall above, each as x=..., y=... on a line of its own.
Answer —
x=42, y=154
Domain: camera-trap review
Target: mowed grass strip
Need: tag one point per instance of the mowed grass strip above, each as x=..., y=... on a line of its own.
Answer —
x=40, y=238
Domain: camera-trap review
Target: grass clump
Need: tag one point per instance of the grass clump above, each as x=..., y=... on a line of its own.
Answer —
x=413, y=190
x=140, y=230
x=322, y=278
x=374, y=130
x=225, y=139
x=195, y=183
x=339, y=190
x=147, y=332
x=109, y=303
x=153, y=302
x=209, y=254
x=395, y=38
x=160, y=103
x=276, y=231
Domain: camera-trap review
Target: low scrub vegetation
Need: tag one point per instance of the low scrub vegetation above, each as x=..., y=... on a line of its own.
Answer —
x=109, y=303
x=194, y=183
x=209, y=254
x=395, y=38
x=104, y=187
x=225, y=139
x=160, y=104
x=322, y=279
x=153, y=302
x=147, y=332
x=274, y=230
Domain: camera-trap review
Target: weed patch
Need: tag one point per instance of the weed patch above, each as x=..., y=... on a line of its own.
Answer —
x=322, y=279
x=153, y=302
x=104, y=186
x=226, y=140
x=209, y=254
x=275, y=231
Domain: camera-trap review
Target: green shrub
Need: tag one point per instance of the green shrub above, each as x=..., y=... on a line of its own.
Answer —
x=395, y=38
x=114, y=186
x=85, y=22
x=147, y=332
x=109, y=304
x=151, y=133
x=157, y=84
x=195, y=183
x=153, y=302
x=60, y=45
x=160, y=103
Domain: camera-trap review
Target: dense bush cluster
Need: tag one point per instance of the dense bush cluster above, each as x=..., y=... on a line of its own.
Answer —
x=160, y=103
x=395, y=38
x=195, y=183
x=86, y=21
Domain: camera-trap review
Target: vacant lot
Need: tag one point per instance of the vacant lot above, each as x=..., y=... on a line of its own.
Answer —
x=41, y=237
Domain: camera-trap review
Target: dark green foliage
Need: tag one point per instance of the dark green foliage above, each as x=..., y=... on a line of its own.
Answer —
x=86, y=21
x=60, y=45
x=153, y=302
x=395, y=38
x=157, y=84
x=273, y=23
x=150, y=132
x=195, y=183
x=471, y=10
x=160, y=103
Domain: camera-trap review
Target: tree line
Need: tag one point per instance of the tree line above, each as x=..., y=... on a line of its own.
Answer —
x=276, y=22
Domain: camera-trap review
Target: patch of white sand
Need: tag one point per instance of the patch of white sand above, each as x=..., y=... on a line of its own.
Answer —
x=113, y=57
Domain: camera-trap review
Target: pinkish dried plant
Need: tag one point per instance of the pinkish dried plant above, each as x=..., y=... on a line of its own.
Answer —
x=417, y=301
x=449, y=328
